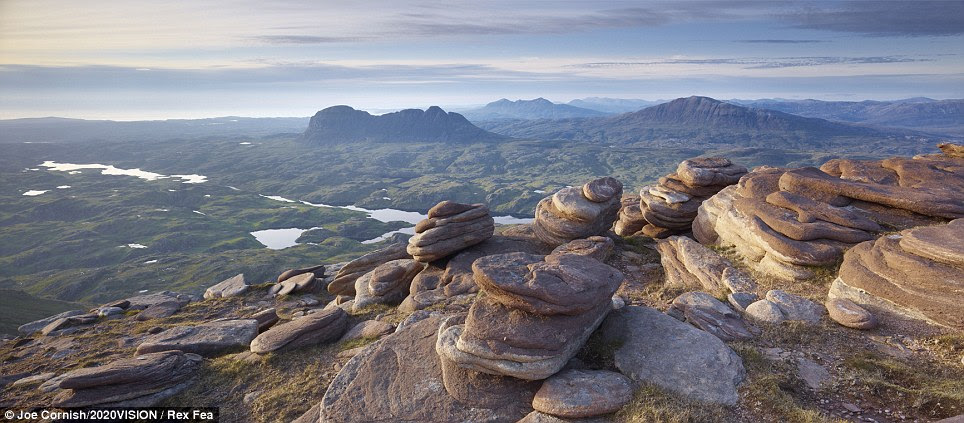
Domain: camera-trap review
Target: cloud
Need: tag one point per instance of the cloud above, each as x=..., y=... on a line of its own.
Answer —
x=780, y=41
x=304, y=39
x=882, y=18
x=762, y=62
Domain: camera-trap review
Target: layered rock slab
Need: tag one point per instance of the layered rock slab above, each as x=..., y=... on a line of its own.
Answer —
x=450, y=228
x=208, y=339
x=660, y=350
x=578, y=212
x=399, y=379
x=131, y=382
x=344, y=281
x=918, y=273
x=317, y=328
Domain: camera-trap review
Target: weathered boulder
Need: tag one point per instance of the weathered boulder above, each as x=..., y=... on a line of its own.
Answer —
x=597, y=247
x=231, y=287
x=784, y=222
x=38, y=325
x=765, y=311
x=207, y=339
x=660, y=350
x=688, y=264
x=299, y=283
x=583, y=393
x=160, y=310
x=400, y=379
x=317, y=328
x=711, y=315
x=368, y=329
x=450, y=228
x=917, y=274
x=130, y=382
x=534, y=315
x=344, y=282
x=795, y=307
x=318, y=271
x=388, y=283
x=570, y=214
x=849, y=314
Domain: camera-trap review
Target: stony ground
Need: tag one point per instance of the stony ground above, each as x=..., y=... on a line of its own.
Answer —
x=795, y=372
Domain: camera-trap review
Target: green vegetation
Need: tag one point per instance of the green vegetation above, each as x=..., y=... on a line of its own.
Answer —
x=931, y=390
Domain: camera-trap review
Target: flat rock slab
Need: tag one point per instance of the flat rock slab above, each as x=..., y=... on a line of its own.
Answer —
x=399, y=379
x=675, y=356
x=849, y=314
x=208, y=339
x=583, y=393
x=136, y=381
x=231, y=287
x=316, y=328
x=37, y=325
x=795, y=307
x=160, y=310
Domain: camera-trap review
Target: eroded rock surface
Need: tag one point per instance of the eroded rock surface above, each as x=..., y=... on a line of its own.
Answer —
x=131, y=382
x=571, y=214
x=450, y=228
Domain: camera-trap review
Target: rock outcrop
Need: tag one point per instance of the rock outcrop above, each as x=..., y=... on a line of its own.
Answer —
x=344, y=282
x=450, y=228
x=316, y=328
x=918, y=273
x=388, y=283
x=341, y=124
x=230, y=287
x=131, y=382
x=657, y=349
x=207, y=339
x=534, y=315
x=690, y=265
x=583, y=393
x=670, y=206
x=578, y=212
x=785, y=221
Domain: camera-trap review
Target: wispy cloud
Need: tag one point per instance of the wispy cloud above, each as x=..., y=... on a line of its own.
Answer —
x=304, y=39
x=882, y=18
x=762, y=62
x=780, y=41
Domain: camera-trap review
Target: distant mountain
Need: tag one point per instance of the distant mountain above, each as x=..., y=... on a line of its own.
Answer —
x=539, y=108
x=345, y=124
x=940, y=116
x=54, y=129
x=695, y=121
x=613, y=105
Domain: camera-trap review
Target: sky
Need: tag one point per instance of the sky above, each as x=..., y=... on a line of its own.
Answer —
x=128, y=60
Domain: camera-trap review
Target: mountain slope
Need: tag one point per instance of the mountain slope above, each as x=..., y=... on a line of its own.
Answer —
x=345, y=124
x=702, y=121
x=613, y=105
x=539, y=108
x=943, y=116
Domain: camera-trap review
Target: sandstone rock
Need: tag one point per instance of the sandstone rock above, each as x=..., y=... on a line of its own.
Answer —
x=344, y=282
x=368, y=329
x=37, y=325
x=795, y=307
x=400, y=379
x=318, y=271
x=709, y=314
x=207, y=339
x=569, y=214
x=142, y=302
x=602, y=190
x=298, y=283
x=538, y=417
x=441, y=236
x=741, y=300
x=389, y=283
x=63, y=324
x=36, y=379
x=765, y=311
x=231, y=287
x=691, y=265
x=660, y=350
x=129, y=382
x=849, y=314
x=266, y=319
x=535, y=315
x=556, y=284
x=812, y=373
x=160, y=310
x=583, y=393
x=630, y=219
x=109, y=311
x=707, y=171
x=951, y=150
x=916, y=275
x=317, y=328
x=597, y=247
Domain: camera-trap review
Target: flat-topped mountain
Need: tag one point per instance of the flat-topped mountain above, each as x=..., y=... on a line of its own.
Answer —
x=613, y=105
x=345, y=124
x=539, y=108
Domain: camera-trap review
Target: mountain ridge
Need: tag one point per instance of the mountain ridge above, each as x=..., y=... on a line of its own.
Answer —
x=345, y=124
x=538, y=108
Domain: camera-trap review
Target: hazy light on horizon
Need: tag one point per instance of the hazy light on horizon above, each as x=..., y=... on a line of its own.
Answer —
x=125, y=59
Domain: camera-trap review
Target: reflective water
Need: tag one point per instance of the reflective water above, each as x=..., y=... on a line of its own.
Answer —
x=111, y=170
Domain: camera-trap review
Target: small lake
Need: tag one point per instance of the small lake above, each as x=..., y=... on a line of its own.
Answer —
x=71, y=168
x=277, y=239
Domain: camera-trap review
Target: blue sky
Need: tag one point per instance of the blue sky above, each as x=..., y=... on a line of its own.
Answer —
x=126, y=59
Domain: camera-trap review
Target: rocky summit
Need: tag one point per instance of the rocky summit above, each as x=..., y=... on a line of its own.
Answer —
x=341, y=124
x=774, y=294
